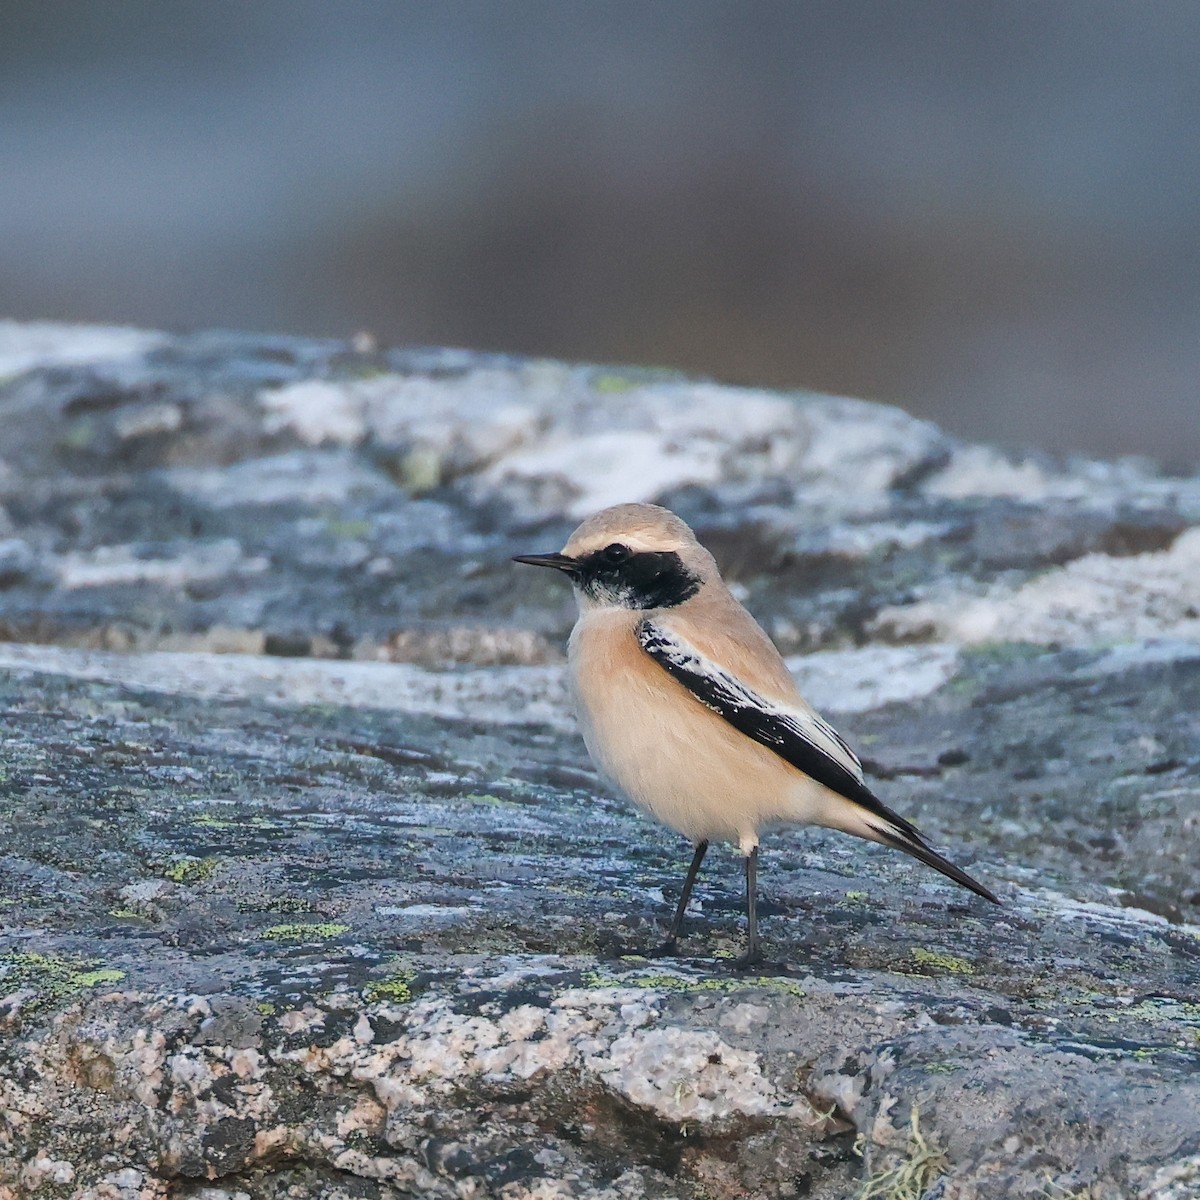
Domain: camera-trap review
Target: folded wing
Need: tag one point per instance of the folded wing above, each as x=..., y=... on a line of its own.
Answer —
x=799, y=736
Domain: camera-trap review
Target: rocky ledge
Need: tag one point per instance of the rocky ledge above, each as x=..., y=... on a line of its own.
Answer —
x=308, y=889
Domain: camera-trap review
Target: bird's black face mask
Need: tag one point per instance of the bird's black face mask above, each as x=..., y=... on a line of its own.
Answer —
x=628, y=578
x=625, y=578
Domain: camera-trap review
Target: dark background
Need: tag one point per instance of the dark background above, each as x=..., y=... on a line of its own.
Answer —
x=987, y=212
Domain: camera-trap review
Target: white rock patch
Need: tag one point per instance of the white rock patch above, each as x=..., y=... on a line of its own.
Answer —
x=1095, y=599
x=1179, y=1181
x=317, y=412
x=305, y=477
x=859, y=680
x=615, y=1034
x=24, y=346
x=984, y=471
x=540, y=436
x=600, y=469
x=862, y=540
x=687, y=1075
x=115, y=565
x=501, y=694
x=470, y=419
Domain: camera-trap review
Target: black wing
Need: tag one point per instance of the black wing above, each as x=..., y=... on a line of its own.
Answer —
x=798, y=737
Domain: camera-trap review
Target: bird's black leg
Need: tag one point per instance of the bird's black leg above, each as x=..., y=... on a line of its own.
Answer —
x=753, y=945
x=668, y=947
x=686, y=895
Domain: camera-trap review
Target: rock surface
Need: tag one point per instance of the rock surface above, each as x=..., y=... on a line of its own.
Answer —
x=309, y=889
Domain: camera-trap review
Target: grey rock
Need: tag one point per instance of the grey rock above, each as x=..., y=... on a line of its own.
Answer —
x=18, y=561
x=303, y=919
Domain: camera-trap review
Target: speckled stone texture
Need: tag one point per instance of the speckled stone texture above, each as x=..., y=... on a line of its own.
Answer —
x=308, y=889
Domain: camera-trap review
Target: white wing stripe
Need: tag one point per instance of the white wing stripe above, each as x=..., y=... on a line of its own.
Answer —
x=806, y=725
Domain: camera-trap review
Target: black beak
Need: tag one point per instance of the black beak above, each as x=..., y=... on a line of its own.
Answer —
x=560, y=562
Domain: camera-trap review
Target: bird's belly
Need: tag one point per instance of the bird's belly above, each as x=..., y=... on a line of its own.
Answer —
x=682, y=764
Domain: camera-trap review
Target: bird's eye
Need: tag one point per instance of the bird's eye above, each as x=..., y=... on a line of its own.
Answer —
x=616, y=553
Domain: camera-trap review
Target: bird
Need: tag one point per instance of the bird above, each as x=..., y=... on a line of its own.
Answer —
x=687, y=706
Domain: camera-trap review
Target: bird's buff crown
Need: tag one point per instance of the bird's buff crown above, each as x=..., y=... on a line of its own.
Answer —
x=638, y=526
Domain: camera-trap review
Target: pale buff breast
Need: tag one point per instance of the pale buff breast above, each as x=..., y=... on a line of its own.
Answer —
x=675, y=759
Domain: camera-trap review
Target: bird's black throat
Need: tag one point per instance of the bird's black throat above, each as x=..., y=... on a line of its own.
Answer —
x=645, y=579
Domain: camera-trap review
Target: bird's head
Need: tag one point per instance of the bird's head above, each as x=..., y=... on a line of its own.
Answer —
x=631, y=556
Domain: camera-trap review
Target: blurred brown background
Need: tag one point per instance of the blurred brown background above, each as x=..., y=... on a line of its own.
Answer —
x=987, y=212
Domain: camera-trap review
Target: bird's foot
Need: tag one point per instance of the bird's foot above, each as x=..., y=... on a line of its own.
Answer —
x=752, y=958
x=668, y=949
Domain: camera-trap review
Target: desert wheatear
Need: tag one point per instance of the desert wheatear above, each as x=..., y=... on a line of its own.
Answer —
x=687, y=706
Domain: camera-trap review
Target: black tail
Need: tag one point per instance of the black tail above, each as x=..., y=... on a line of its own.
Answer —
x=905, y=837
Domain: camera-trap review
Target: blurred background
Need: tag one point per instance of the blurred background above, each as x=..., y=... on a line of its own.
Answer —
x=988, y=212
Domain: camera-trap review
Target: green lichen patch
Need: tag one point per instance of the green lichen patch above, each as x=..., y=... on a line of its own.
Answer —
x=1003, y=654
x=295, y=931
x=396, y=987
x=938, y=960
x=610, y=383
x=208, y=821
x=349, y=528
x=777, y=983
x=1161, y=1008
x=667, y=981
x=187, y=870
x=942, y=1068
x=657, y=981
x=55, y=979
x=79, y=435
x=420, y=470
x=90, y=979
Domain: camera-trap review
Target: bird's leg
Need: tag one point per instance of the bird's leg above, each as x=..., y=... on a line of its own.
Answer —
x=668, y=947
x=686, y=895
x=753, y=945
